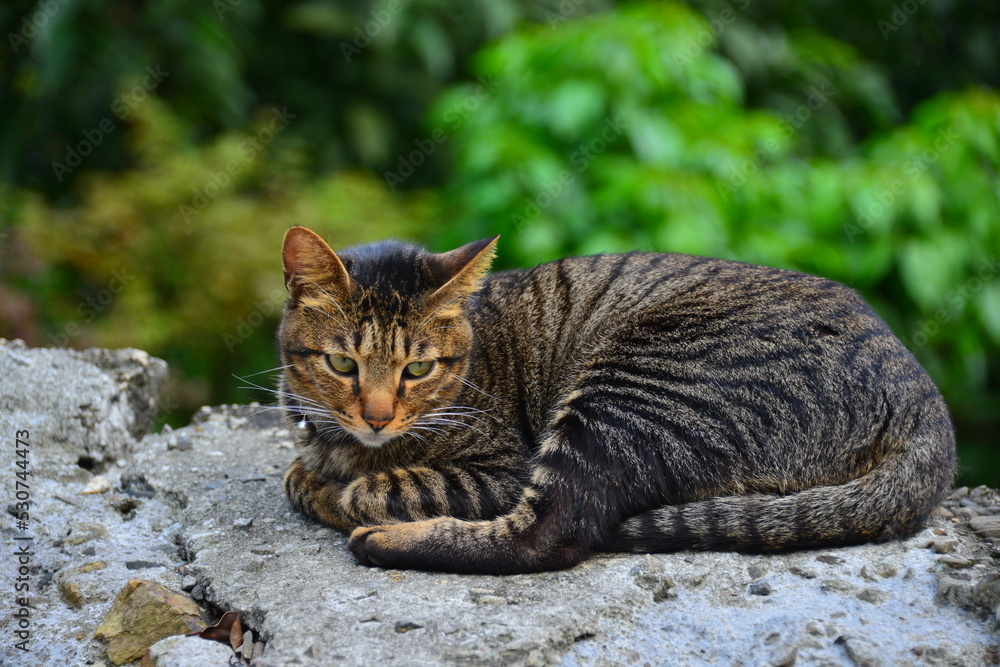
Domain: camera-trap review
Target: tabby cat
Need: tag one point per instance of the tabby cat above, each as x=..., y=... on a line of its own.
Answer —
x=516, y=422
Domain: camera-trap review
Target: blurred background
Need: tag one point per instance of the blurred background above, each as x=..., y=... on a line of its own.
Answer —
x=152, y=155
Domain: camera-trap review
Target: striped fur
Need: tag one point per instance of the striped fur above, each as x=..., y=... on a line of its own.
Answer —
x=638, y=402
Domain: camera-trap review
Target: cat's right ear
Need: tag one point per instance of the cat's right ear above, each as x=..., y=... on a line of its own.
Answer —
x=310, y=263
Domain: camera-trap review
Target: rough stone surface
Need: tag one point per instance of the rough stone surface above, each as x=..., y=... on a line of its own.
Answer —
x=91, y=405
x=209, y=517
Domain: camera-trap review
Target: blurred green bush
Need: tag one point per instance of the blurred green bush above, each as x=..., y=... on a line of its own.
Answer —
x=152, y=154
x=624, y=132
x=181, y=255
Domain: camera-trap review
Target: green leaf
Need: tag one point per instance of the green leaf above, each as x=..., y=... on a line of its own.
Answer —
x=988, y=308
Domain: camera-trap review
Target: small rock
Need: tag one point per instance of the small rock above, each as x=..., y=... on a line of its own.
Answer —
x=785, y=656
x=831, y=560
x=960, y=492
x=135, y=485
x=181, y=651
x=97, y=484
x=836, y=586
x=142, y=614
x=803, y=572
x=886, y=570
x=756, y=571
x=651, y=575
x=491, y=599
x=944, y=546
x=71, y=590
x=243, y=524
x=126, y=506
x=188, y=583
x=84, y=531
x=406, y=626
x=872, y=595
x=955, y=561
x=861, y=651
x=247, y=648
x=816, y=629
x=986, y=526
x=760, y=587
x=942, y=512
x=142, y=564
x=262, y=551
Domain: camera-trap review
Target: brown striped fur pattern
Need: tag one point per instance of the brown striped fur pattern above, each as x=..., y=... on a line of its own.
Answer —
x=638, y=402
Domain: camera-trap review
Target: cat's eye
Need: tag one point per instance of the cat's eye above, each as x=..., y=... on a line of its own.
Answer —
x=341, y=364
x=418, y=368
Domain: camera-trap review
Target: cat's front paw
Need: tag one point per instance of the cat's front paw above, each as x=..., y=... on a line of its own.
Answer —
x=403, y=545
x=315, y=496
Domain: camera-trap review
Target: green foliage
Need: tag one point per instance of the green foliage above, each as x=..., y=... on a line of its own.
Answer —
x=181, y=255
x=359, y=74
x=613, y=134
x=857, y=140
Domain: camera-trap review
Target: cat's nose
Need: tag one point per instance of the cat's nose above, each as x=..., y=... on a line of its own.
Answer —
x=377, y=424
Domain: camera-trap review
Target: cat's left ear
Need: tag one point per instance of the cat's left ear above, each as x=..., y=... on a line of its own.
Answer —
x=460, y=271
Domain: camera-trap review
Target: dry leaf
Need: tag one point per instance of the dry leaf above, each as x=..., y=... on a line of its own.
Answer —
x=228, y=630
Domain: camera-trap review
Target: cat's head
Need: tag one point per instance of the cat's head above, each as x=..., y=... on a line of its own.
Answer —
x=373, y=338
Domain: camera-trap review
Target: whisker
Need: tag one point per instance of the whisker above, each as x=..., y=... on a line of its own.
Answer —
x=280, y=392
x=468, y=408
x=419, y=437
x=452, y=422
x=269, y=370
x=422, y=427
x=471, y=385
x=469, y=411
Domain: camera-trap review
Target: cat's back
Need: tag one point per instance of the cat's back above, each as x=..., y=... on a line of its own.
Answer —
x=580, y=295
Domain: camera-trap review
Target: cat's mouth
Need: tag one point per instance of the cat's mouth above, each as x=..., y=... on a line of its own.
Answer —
x=374, y=440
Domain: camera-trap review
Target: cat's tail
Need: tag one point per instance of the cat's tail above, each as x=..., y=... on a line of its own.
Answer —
x=892, y=500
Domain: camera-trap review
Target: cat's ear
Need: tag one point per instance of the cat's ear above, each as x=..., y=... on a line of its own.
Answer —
x=460, y=271
x=309, y=261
